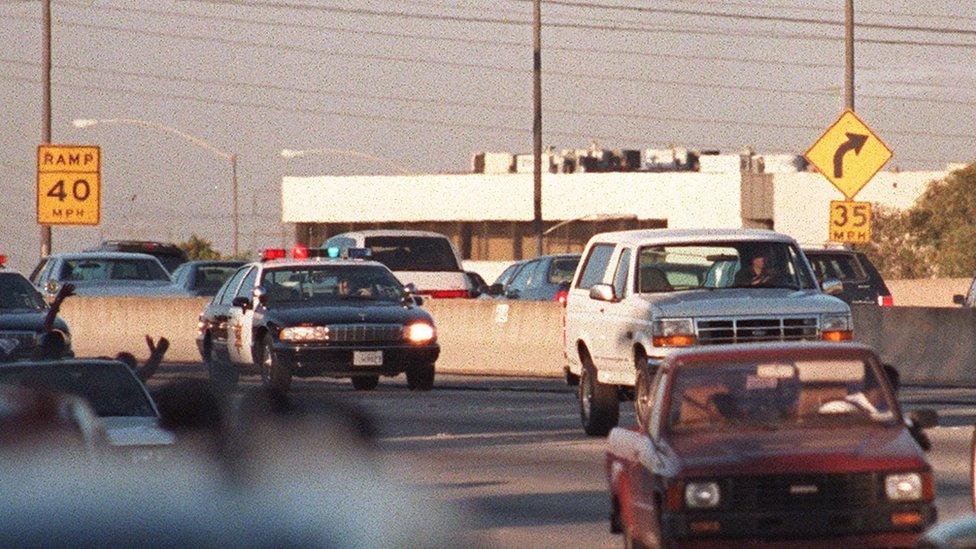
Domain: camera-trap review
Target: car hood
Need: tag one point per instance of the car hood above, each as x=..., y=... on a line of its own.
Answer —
x=27, y=320
x=841, y=449
x=351, y=312
x=122, y=287
x=136, y=431
x=744, y=301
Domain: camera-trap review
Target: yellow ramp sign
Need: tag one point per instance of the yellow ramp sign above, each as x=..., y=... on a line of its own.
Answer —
x=850, y=222
x=849, y=154
x=68, y=185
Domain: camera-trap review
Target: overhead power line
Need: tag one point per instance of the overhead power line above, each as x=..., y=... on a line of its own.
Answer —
x=779, y=6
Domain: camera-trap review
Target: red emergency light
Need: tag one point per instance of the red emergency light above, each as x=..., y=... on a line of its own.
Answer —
x=3, y=260
x=299, y=252
x=273, y=253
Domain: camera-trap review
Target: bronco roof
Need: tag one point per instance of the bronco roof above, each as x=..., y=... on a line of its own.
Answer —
x=675, y=236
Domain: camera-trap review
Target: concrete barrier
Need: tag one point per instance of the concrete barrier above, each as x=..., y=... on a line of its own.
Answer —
x=930, y=346
x=927, y=292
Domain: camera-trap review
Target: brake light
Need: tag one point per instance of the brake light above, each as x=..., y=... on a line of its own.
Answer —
x=3, y=260
x=445, y=294
x=299, y=252
x=273, y=253
x=561, y=297
x=886, y=301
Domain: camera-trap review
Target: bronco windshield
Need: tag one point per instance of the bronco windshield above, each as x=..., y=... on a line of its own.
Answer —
x=722, y=265
x=778, y=394
x=330, y=284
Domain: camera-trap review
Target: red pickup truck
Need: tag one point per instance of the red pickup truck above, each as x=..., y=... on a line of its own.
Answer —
x=792, y=444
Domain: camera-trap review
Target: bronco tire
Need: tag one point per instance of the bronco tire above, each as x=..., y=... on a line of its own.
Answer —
x=599, y=405
x=420, y=377
x=274, y=375
x=365, y=383
x=643, y=399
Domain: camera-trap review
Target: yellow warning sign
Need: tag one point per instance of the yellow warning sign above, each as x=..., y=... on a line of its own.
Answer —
x=68, y=185
x=850, y=222
x=849, y=154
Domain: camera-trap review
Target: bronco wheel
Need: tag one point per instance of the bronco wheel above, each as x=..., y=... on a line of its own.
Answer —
x=642, y=391
x=365, y=383
x=274, y=375
x=223, y=375
x=599, y=405
x=420, y=377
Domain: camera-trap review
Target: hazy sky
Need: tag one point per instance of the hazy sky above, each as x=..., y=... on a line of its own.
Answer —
x=451, y=78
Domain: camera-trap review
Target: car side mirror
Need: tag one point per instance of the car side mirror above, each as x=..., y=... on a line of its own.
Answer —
x=924, y=418
x=602, y=292
x=259, y=295
x=242, y=302
x=832, y=286
x=51, y=287
x=959, y=299
x=496, y=289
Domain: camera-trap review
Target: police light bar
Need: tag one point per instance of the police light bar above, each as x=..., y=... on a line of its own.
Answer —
x=273, y=253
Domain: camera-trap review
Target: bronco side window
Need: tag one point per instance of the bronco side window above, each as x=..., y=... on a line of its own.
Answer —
x=595, y=266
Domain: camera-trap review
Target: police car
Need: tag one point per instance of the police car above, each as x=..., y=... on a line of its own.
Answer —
x=324, y=315
x=25, y=317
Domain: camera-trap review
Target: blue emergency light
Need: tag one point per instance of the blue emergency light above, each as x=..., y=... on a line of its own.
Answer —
x=332, y=251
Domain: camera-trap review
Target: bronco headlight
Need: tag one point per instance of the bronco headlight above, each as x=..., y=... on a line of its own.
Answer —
x=702, y=495
x=673, y=332
x=419, y=332
x=299, y=334
x=904, y=487
x=836, y=327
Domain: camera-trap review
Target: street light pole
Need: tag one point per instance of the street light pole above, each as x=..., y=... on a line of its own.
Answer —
x=537, y=124
x=849, y=54
x=233, y=183
x=46, y=123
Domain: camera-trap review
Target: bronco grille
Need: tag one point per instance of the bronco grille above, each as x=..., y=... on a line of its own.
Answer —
x=364, y=333
x=715, y=331
x=806, y=492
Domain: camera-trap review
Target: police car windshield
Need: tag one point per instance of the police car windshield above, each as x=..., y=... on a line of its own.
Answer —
x=747, y=264
x=778, y=394
x=17, y=293
x=331, y=284
x=109, y=387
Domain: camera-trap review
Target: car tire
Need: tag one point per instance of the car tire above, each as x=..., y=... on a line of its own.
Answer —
x=365, y=383
x=274, y=375
x=420, y=377
x=643, y=399
x=223, y=375
x=599, y=403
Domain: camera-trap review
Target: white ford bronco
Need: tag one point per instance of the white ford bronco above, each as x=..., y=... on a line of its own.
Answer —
x=639, y=294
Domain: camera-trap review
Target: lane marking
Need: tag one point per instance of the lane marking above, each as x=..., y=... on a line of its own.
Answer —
x=476, y=436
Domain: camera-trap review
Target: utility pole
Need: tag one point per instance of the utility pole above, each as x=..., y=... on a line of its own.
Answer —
x=233, y=184
x=46, y=100
x=537, y=123
x=849, y=54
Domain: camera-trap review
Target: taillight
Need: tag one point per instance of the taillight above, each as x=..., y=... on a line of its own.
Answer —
x=445, y=294
x=561, y=297
x=886, y=301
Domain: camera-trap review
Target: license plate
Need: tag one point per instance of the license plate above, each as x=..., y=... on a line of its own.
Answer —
x=367, y=358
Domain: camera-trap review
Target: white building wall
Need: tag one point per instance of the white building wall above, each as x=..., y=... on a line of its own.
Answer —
x=801, y=203
x=684, y=199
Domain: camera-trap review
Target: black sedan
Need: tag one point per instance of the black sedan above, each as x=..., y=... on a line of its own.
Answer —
x=338, y=318
x=24, y=318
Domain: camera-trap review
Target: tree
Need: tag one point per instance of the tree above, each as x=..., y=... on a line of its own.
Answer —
x=199, y=248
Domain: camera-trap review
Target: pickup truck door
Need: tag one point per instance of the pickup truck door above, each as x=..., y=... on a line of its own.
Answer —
x=241, y=329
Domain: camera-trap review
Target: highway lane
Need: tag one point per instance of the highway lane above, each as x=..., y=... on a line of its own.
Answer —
x=510, y=452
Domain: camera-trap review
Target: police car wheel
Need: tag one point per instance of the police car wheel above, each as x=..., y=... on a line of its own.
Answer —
x=420, y=377
x=365, y=383
x=274, y=375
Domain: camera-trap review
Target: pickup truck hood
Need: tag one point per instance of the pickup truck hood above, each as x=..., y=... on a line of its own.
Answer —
x=851, y=449
x=744, y=301
x=350, y=312
x=136, y=431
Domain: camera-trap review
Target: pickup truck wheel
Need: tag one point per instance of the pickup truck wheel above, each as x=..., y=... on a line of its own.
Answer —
x=599, y=405
x=223, y=375
x=420, y=377
x=365, y=383
x=274, y=375
x=642, y=395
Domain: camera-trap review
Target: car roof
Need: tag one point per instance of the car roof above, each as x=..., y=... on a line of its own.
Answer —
x=215, y=262
x=388, y=232
x=675, y=236
x=772, y=351
x=167, y=247
x=317, y=262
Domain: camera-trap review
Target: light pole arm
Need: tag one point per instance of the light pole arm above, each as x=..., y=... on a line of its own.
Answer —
x=196, y=140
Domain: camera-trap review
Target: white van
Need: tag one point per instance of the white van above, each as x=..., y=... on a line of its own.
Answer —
x=427, y=260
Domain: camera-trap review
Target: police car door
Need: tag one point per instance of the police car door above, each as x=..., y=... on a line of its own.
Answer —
x=241, y=323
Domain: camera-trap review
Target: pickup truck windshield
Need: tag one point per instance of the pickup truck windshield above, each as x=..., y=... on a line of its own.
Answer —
x=776, y=395
x=722, y=265
x=413, y=253
x=330, y=284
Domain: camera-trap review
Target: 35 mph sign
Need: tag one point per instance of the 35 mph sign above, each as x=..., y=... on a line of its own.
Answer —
x=68, y=185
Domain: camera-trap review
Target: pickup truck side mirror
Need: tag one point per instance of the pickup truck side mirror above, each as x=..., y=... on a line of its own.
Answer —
x=602, y=292
x=242, y=302
x=959, y=299
x=832, y=286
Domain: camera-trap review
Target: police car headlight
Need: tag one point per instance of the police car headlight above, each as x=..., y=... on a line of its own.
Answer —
x=419, y=332
x=702, y=495
x=299, y=334
x=904, y=487
x=673, y=332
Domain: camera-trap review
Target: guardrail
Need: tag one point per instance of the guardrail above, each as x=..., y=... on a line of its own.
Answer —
x=930, y=346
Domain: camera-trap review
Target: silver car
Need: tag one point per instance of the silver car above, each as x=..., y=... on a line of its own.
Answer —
x=102, y=274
